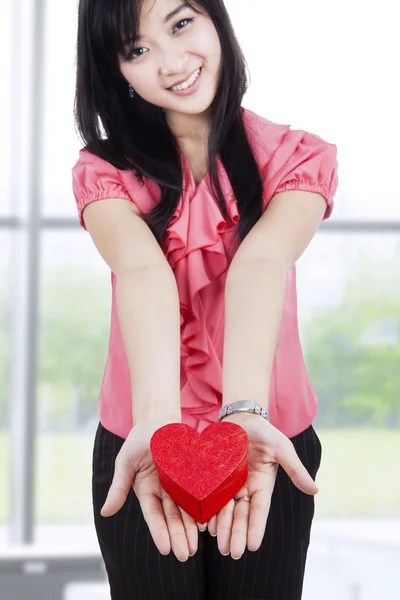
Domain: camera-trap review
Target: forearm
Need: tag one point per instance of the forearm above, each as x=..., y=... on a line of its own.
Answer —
x=254, y=298
x=148, y=311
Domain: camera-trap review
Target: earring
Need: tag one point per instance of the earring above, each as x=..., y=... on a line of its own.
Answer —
x=131, y=91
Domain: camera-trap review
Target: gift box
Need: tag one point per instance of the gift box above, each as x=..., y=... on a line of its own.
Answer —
x=201, y=472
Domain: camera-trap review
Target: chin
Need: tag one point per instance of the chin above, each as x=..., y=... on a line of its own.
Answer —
x=194, y=108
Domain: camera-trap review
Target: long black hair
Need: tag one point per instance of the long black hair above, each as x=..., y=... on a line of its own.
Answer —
x=131, y=133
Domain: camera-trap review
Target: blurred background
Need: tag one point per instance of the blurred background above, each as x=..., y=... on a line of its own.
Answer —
x=328, y=68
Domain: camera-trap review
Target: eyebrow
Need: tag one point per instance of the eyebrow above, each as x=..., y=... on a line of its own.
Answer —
x=167, y=18
x=172, y=14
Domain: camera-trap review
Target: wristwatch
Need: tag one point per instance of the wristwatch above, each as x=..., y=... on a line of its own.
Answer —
x=250, y=406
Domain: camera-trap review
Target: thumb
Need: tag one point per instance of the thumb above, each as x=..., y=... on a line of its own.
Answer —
x=297, y=472
x=124, y=476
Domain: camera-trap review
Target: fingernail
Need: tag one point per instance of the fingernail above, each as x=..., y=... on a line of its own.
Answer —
x=213, y=534
x=227, y=554
x=236, y=557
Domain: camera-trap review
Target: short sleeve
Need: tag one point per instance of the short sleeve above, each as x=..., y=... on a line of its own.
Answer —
x=94, y=178
x=302, y=161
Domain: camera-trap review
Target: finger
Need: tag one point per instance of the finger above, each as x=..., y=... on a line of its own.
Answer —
x=154, y=516
x=288, y=458
x=212, y=526
x=224, y=527
x=259, y=510
x=176, y=528
x=192, y=532
x=124, y=476
x=202, y=526
x=239, y=529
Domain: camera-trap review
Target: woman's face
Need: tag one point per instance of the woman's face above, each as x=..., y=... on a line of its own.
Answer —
x=175, y=42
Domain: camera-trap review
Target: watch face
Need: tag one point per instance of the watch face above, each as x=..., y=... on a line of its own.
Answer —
x=244, y=405
x=250, y=404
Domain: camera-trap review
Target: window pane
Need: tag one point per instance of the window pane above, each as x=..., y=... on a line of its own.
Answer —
x=349, y=306
x=5, y=77
x=5, y=378
x=75, y=299
x=60, y=143
x=345, y=92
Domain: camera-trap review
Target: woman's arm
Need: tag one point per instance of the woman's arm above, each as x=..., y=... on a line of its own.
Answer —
x=255, y=291
x=254, y=296
x=148, y=312
x=147, y=304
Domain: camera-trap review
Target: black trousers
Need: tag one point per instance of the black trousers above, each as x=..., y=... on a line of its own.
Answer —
x=137, y=571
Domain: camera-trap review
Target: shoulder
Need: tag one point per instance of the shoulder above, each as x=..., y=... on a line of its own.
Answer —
x=265, y=136
x=92, y=166
x=93, y=174
x=292, y=159
x=95, y=178
x=269, y=139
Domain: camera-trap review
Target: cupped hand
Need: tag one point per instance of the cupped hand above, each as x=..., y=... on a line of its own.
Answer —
x=170, y=526
x=243, y=524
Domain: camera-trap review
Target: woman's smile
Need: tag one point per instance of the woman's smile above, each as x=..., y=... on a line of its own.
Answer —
x=189, y=86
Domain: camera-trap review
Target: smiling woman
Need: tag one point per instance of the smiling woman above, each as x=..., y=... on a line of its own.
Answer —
x=200, y=208
x=155, y=63
x=149, y=46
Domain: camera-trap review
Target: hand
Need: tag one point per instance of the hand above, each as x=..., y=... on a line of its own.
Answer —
x=244, y=523
x=170, y=526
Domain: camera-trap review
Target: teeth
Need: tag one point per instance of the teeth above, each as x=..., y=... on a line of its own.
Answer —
x=186, y=84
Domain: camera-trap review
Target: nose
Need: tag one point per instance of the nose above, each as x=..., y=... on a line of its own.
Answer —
x=173, y=61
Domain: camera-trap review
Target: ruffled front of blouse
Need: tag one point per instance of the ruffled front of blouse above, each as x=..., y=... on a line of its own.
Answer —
x=195, y=250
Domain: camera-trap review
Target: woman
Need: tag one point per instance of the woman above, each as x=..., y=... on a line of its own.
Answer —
x=171, y=161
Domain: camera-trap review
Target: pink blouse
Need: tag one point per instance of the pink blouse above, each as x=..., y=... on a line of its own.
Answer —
x=196, y=246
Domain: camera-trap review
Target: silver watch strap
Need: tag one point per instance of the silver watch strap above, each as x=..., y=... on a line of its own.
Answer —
x=249, y=406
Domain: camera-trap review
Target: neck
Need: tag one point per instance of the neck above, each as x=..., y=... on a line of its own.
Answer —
x=190, y=130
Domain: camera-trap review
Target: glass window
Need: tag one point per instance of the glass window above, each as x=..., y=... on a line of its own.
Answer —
x=5, y=376
x=330, y=80
x=349, y=311
x=75, y=300
x=5, y=77
x=60, y=143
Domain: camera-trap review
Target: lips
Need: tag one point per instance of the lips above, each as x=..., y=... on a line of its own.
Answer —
x=186, y=78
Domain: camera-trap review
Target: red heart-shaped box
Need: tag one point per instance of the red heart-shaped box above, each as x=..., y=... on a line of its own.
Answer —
x=201, y=471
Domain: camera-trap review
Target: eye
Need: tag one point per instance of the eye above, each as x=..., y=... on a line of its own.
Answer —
x=135, y=53
x=138, y=52
x=185, y=21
